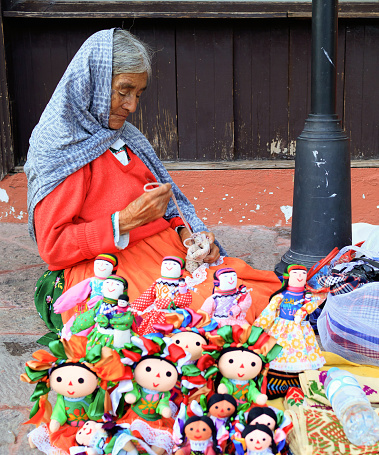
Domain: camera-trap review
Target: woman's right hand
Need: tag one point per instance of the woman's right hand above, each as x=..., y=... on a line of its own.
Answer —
x=148, y=207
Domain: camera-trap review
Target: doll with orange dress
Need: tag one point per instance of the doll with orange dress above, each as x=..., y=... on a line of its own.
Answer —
x=284, y=319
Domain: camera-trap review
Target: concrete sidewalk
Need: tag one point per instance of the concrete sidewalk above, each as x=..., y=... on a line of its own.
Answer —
x=20, y=327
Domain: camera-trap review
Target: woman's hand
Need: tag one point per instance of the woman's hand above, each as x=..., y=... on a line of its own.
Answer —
x=214, y=252
x=150, y=206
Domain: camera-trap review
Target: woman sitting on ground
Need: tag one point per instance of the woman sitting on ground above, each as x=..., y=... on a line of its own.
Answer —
x=87, y=167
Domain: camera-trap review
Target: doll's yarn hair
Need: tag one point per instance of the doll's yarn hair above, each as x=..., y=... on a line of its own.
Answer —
x=286, y=276
x=177, y=259
x=217, y=397
x=111, y=258
x=265, y=429
x=119, y=279
x=68, y=364
x=231, y=349
x=152, y=356
x=258, y=411
x=210, y=424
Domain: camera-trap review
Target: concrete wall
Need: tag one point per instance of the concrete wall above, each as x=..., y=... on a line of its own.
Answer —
x=258, y=197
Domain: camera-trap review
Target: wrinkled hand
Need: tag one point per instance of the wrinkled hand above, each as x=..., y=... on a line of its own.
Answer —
x=214, y=252
x=102, y=320
x=148, y=207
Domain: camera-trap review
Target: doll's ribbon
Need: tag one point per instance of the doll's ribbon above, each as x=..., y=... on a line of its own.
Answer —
x=123, y=387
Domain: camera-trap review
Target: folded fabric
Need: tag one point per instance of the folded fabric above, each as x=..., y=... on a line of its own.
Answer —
x=319, y=432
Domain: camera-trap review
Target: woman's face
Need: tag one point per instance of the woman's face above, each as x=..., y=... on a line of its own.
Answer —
x=126, y=90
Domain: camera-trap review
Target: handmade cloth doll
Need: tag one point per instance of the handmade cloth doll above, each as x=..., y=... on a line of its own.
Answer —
x=75, y=376
x=106, y=317
x=257, y=440
x=163, y=295
x=222, y=409
x=284, y=319
x=242, y=356
x=189, y=330
x=227, y=305
x=199, y=436
x=155, y=375
x=84, y=295
x=98, y=438
x=198, y=248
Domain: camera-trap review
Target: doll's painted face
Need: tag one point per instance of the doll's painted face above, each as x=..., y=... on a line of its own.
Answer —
x=170, y=269
x=112, y=289
x=87, y=432
x=257, y=440
x=156, y=374
x=102, y=269
x=241, y=365
x=264, y=419
x=297, y=278
x=222, y=409
x=198, y=431
x=73, y=381
x=228, y=281
x=191, y=342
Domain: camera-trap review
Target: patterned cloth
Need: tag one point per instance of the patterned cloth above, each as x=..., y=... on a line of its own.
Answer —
x=339, y=283
x=319, y=432
x=73, y=131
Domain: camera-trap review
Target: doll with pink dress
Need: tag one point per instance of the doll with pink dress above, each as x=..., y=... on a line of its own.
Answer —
x=228, y=304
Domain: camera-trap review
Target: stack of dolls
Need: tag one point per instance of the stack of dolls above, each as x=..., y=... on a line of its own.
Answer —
x=155, y=376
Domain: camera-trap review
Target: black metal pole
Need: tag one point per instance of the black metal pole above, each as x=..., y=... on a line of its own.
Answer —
x=321, y=218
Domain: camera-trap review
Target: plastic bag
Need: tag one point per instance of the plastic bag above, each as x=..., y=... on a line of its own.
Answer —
x=349, y=324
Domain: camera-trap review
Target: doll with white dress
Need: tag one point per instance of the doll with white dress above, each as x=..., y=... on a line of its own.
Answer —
x=166, y=294
x=228, y=304
x=284, y=319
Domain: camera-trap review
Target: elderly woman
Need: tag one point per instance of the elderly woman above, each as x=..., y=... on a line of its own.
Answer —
x=86, y=171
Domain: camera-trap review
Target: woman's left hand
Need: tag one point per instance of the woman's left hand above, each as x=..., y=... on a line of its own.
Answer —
x=214, y=252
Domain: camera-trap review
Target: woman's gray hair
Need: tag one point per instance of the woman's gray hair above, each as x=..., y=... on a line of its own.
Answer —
x=130, y=55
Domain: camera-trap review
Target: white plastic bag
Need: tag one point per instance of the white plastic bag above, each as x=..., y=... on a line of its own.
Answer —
x=349, y=324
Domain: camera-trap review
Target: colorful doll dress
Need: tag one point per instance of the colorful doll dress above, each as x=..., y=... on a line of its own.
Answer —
x=146, y=421
x=228, y=308
x=243, y=391
x=104, y=331
x=71, y=413
x=300, y=349
x=157, y=300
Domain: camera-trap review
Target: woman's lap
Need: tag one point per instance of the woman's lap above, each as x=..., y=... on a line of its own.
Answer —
x=141, y=266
